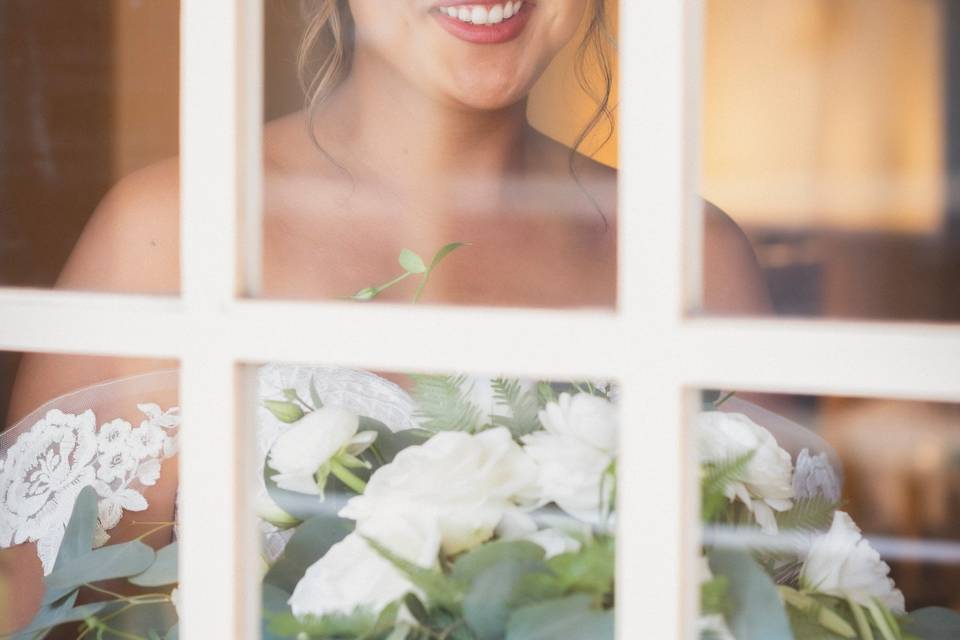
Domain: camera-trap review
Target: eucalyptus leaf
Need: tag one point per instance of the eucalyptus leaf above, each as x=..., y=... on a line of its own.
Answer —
x=487, y=604
x=284, y=411
x=390, y=443
x=757, y=613
x=78, y=536
x=136, y=620
x=47, y=617
x=309, y=543
x=470, y=565
x=569, y=618
x=163, y=570
x=411, y=262
x=933, y=623
x=114, y=561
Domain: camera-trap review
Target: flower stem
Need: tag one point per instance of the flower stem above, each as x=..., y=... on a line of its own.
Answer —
x=346, y=476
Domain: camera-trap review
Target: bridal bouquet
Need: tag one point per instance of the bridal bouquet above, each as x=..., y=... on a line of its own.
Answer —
x=495, y=518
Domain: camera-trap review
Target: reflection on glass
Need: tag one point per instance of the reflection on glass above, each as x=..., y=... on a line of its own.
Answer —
x=828, y=135
x=436, y=124
x=846, y=527
x=410, y=509
x=89, y=96
x=88, y=478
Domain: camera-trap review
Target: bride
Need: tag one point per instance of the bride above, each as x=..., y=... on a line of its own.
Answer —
x=414, y=135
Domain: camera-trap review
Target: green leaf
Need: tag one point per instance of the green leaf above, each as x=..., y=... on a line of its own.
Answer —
x=807, y=515
x=757, y=612
x=439, y=589
x=173, y=633
x=716, y=477
x=136, y=620
x=522, y=403
x=314, y=394
x=47, y=617
x=933, y=623
x=470, y=565
x=444, y=251
x=564, y=619
x=486, y=606
x=365, y=294
x=815, y=616
x=389, y=442
x=545, y=393
x=309, y=543
x=411, y=262
x=163, y=570
x=78, y=536
x=443, y=404
x=590, y=570
x=713, y=595
x=284, y=411
x=113, y=561
x=362, y=624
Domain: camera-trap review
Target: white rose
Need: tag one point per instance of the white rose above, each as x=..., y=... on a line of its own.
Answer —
x=466, y=483
x=766, y=485
x=309, y=444
x=842, y=563
x=352, y=574
x=575, y=452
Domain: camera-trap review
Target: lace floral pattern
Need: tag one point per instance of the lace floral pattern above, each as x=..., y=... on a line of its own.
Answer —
x=45, y=469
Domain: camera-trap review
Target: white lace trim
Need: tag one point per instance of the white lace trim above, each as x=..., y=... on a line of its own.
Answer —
x=49, y=464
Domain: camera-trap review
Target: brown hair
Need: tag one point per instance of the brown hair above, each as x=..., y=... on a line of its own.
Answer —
x=326, y=52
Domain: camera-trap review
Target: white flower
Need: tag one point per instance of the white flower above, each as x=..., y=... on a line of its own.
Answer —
x=166, y=419
x=175, y=600
x=842, y=563
x=575, y=452
x=554, y=541
x=466, y=483
x=303, y=449
x=766, y=485
x=113, y=435
x=352, y=574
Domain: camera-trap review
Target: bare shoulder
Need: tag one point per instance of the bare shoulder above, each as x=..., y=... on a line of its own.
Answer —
x=131, y=243
x=578, y=177
x=733, y=281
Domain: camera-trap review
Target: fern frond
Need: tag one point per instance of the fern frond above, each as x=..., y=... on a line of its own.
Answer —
x=522, y=403
x=716, y=477
x=808, y=515
x=443, y=404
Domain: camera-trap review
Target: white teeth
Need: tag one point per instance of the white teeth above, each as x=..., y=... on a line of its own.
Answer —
x=481, y=14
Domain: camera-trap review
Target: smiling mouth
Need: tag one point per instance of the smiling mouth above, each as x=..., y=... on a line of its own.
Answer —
x=481, y=15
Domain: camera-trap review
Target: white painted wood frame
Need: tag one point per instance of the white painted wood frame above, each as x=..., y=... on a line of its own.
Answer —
x=660, y=353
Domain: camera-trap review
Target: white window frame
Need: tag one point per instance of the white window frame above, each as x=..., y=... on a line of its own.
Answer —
x=215, y=327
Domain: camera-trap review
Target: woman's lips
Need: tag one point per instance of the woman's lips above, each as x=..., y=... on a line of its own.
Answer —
x=485, y=23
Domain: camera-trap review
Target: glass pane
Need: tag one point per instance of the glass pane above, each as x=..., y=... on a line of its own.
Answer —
x=839, y=522
x=441, y=124
x=88, y=477
x=88, y=114
x=447, y=506
x=830, y=135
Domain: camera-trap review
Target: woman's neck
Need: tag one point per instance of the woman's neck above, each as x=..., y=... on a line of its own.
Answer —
x=387, y=132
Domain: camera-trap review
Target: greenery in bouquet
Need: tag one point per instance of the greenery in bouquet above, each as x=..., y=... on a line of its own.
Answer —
x=494, y=518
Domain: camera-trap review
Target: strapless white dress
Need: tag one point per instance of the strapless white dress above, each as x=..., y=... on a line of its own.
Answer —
x=113, y=436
